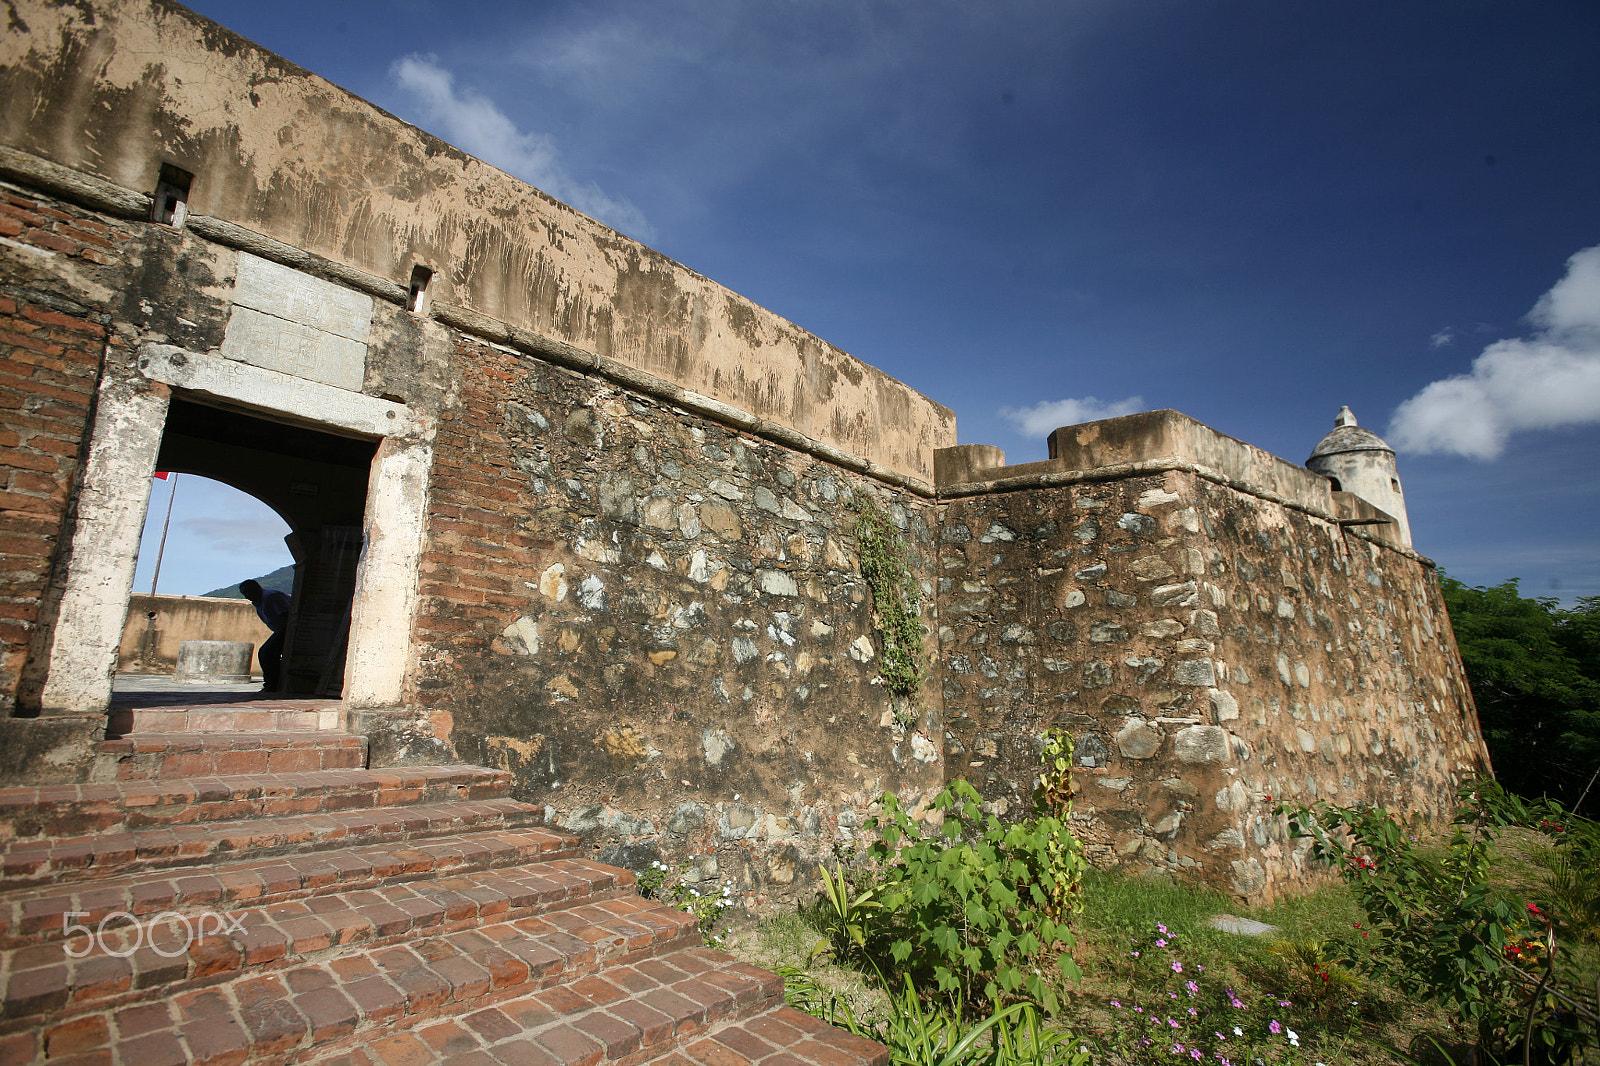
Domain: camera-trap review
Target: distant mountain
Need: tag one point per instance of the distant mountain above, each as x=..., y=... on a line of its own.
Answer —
x=280, y=580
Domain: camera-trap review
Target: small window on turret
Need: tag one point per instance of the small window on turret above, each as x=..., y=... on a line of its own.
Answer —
x=1335, y=483
x=1394, y=483
x=171, y=205
x=417, y=296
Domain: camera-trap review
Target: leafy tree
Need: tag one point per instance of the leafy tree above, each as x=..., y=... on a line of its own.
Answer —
x=1534, y=669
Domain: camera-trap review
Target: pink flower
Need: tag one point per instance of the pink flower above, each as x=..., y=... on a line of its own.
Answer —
x=1163, y=943
x=1192, y=987
x=1162, y=928
x=1114, y=1003
x=1177, y=967
x=1194, y=1053
x=1275, y=1027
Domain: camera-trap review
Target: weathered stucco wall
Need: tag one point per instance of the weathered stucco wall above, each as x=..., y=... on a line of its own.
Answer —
x=156, y=625
x=657, y=623
x=117, y=89
x=1213, y=652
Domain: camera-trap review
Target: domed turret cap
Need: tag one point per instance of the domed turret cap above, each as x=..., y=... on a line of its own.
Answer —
x=1346, y=437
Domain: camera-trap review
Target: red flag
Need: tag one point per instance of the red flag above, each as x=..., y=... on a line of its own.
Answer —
x=162, y=474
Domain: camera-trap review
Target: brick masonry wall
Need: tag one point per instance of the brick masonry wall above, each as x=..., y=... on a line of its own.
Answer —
x=51, y=347
x=1212, y=653
x=657, y=624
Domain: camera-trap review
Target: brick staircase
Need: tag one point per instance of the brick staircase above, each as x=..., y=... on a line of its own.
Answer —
x=233, y=885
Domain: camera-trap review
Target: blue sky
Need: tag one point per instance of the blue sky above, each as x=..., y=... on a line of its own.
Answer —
x=1250, y=211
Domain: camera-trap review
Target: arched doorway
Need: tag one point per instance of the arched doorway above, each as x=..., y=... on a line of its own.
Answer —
x=203, y=536
x=317, y=483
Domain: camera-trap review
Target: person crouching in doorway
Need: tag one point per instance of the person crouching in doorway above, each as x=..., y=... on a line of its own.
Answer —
x=273, y=610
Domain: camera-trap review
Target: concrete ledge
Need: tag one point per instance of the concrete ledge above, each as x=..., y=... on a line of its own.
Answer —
x=49, y=750
x=281, y=394
x=74, y=185
x=1052, y=473
x=399, y=736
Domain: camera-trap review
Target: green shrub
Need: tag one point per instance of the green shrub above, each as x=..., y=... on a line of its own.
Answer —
x=658, y=882
x=1442, y=927
x=896, y=600
x=979, y=910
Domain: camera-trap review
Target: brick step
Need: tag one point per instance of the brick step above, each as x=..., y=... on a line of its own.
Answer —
x=479, y=938
x=281, y=716
x=564, y=963
x=152, y=756
x=59, y=860
x=112, y=806
x=731, y=1015
x=40, y=915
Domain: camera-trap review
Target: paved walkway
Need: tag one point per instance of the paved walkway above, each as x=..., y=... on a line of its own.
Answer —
x=160, y=690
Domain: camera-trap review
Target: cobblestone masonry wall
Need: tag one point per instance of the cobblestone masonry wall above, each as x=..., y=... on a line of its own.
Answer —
x=1212, y=653
x=657, y=624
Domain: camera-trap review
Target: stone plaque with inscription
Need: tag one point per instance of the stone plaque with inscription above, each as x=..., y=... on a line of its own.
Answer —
x=286, y=321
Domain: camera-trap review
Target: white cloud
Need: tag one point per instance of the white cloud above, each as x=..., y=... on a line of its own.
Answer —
x=472, y=122
x=1442, y=339
x=1545, y=381
x=263, y=533
x=1042, y=418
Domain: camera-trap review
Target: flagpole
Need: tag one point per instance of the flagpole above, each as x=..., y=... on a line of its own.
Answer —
x=162, y=549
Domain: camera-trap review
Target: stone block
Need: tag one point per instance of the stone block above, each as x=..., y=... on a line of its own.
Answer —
x=1202, y=744
x=1138, y=739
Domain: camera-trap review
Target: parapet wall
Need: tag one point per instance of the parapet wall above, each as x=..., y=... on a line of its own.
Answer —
x=158, y=624
x=118, y=89
x=1213, y=650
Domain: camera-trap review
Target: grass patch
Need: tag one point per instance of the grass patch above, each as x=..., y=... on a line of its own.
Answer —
x=1431, y=952
x=1260, y=972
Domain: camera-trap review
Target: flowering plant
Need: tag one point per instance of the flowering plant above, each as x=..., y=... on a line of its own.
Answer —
x=658, y=882
x=1445, y=928
x=1175, y=1011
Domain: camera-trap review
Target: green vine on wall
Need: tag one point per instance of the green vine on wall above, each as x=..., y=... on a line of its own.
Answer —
x=896, y=597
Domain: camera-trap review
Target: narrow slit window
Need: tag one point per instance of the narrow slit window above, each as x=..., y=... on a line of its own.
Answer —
x=417, y=296
x=172, y=196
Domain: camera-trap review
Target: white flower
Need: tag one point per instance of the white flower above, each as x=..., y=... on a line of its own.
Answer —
x=1238, y=1031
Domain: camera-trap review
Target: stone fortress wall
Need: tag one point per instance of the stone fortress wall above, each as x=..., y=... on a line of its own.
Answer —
x=1218, y=629
x=607, y=539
